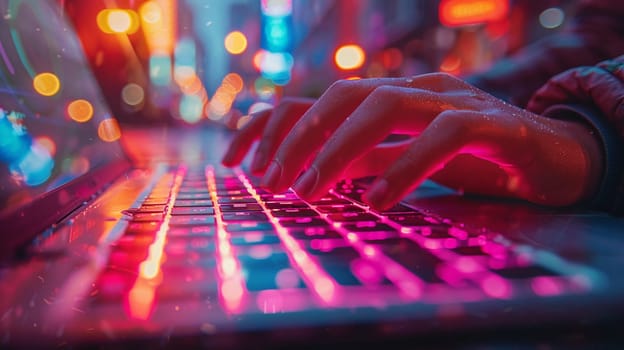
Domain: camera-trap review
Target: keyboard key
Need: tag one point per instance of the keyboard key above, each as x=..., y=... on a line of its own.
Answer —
x=330, y=200
x=522, y=272
x=339, y=208
x=193, y=203
x=412, y=256
x=254, y=237
x=352, y=217
x=191, y=231
x=237, y=199
x=188, y=220
x=144, y=227
x=286, y=204
x=314, y=233
x=413, y=220
x=186, y=282
x=262, y=267
x=198, y=195
x=141, y=217
x=303, y=222
x=367, y=226
x=294, y=213
x=192, y=211
x=240, y=207
x=245, y=216
x=152, y=209
x=249, y=226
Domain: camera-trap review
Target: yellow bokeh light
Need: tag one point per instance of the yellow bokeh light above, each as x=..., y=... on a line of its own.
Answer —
x=116, y=21
x=108, y=130
x=151, y=12
x=349, y=57
x=80, y=110
x=47, y=84
x=119, y=21
x=235, y=43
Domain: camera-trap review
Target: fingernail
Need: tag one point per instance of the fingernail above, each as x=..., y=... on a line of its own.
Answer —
x=258, y=163
x=306, y=182
x=377, y=194
x=272, y=176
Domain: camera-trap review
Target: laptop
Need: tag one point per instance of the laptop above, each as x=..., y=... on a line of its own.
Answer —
x=115, y=237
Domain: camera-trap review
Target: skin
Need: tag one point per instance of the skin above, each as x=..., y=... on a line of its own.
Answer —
x=456, y=135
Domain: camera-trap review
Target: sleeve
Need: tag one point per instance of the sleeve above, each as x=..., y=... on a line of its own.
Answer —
x=594, y=94
x=595, y=33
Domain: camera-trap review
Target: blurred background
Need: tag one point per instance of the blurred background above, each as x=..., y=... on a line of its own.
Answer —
x=204, y=61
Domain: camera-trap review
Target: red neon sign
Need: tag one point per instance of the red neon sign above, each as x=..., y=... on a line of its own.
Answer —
x=462, y=12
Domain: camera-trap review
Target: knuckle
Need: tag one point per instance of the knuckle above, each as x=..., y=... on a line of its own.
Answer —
x=341, y=86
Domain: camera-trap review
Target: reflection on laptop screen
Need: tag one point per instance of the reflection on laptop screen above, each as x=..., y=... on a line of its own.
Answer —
x=54, y=123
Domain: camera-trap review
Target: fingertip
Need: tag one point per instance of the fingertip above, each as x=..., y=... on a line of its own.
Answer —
x=378, y=196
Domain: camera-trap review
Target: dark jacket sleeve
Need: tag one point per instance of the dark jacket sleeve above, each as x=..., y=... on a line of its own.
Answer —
x=594, y=94
x=594, y=34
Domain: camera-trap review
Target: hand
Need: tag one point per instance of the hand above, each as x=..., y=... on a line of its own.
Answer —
x=459, y=136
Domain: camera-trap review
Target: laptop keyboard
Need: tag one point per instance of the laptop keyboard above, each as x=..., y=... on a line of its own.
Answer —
x=209, y=232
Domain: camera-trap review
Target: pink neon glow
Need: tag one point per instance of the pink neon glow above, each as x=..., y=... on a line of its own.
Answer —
x=260, y=251
x=370, y=251
x=274, y=301
x=324, y=286
x=468, y=265
x=450, y=243
x=547, y=286
x=232, y=287
x=457, y=232
x=496, y=287
x=432, y=243
x=287, y=278
x=142, y=294
x=366, y=272
x=140, y=301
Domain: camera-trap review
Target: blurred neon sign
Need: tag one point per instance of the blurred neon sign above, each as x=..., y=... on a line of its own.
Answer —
x=463, y=12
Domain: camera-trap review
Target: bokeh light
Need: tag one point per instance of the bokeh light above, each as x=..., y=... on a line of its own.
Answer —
x=150, y=12
x=80, y=110
x=235, y=81
x=116, y=21
x=191, y=108
x=133, y=94
x=108, y=130
x=349, y=57
x=552, y=17
x=119, y=21
x=35, y=167
x=47, y=143
x=46, y=84
x=235, y=42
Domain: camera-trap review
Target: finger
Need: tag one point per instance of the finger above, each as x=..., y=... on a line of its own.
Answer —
x=318, y=124
x=375, y=161
x=450, y=134
x=382, y=112
x=284, y=116
x=244, y=138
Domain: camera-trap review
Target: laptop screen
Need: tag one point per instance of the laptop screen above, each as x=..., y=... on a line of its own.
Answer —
x=54, y=123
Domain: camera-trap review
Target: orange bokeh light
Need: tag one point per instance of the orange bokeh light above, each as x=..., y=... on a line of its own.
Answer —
x=80, y=110
x=464, y=12
x=108, y=130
